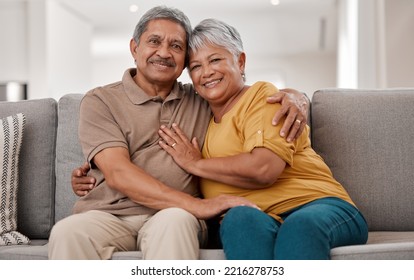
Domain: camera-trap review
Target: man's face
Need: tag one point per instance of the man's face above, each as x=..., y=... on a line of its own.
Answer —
x=160, y=55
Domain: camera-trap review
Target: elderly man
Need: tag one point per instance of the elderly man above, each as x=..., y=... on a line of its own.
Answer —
x=142, y=199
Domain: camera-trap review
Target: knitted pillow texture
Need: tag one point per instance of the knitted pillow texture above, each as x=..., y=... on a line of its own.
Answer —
x=11, y=135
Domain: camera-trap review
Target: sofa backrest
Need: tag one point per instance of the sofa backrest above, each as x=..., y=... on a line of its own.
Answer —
x=36, y=189
x=365, y=136
x=68, y=153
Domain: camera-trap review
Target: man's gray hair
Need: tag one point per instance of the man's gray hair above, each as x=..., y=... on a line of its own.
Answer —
x=218, y=33
x=162, y=12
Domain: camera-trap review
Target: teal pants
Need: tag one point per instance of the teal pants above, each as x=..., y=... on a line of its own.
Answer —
x=308, y=232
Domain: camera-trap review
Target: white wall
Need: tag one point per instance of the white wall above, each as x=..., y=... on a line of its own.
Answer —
x=13, y=42
x=307, y=72
x=106, y=70
x=383, y=40
x=37, y=50
x=400, y=43
x=45, y=45
x=69, y=57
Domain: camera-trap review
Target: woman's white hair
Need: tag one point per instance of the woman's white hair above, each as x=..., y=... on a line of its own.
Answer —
x=215, y=32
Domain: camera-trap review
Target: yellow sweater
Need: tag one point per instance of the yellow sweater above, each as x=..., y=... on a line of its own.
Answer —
x=248, y=125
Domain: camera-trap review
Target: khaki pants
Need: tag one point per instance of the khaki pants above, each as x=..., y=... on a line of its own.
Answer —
x=171, y=233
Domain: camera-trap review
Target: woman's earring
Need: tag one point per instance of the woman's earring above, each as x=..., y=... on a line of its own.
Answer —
x=243, y=76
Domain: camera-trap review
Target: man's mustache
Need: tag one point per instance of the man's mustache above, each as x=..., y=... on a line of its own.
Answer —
x=165, y=62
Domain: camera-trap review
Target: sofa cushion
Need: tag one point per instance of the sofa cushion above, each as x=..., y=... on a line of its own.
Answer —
x=35, y=202
x=385, y=245
x=11, y=135
x=37, y=250
x=384, y=251
x=205, y=254
x=365, y=136
x=68, y=153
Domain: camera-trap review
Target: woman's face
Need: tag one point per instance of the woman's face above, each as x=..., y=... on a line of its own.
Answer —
x=216, y=73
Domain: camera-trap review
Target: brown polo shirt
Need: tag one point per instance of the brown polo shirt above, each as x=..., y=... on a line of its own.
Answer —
x=122, y=115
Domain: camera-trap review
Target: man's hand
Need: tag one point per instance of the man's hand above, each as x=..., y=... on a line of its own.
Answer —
x=296, y=106
x=81, y=184
x=212, y=207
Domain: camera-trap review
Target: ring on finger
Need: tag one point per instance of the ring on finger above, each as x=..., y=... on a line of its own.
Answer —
x=299, y=121
x=173, y=144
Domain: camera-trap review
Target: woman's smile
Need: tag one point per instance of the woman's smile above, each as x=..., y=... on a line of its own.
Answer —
x=212, y=84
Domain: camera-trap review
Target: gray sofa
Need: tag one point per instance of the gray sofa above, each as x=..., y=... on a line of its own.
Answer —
x=365, y=136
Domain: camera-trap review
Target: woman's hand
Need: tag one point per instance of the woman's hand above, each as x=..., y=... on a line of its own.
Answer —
x=185, y=153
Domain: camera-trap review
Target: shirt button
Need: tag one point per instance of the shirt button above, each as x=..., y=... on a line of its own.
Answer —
x=259, y=132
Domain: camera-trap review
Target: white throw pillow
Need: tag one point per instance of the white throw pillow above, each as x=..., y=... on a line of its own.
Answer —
x=11, y=134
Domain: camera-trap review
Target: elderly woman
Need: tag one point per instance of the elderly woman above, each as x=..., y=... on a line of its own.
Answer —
x=303, y=211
